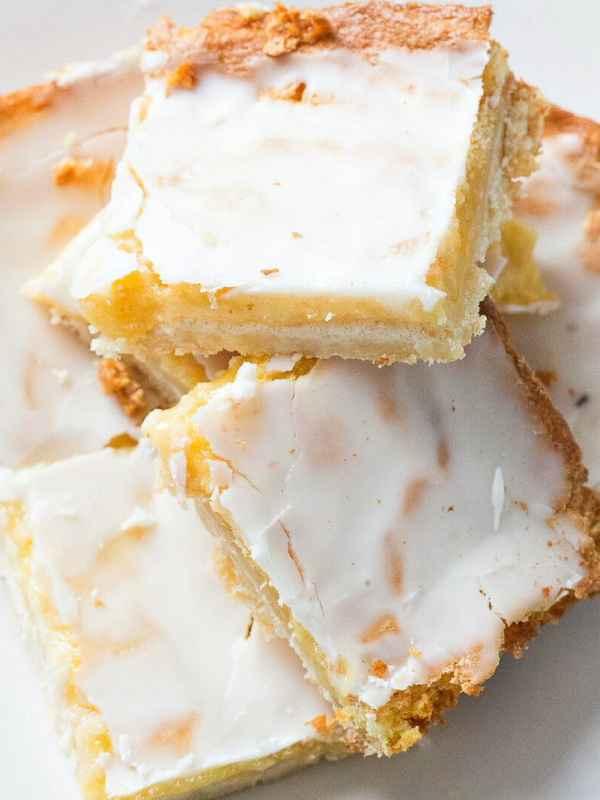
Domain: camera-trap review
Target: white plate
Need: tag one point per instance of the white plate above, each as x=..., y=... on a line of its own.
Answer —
x=534, y=734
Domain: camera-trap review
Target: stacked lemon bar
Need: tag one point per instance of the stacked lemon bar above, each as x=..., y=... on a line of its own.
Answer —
x=317, y=191
x=154, y=695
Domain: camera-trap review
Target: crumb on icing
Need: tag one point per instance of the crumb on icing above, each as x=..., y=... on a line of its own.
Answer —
x=181, y=77
x=379, y=668
x=319, y=723
x=287, y=28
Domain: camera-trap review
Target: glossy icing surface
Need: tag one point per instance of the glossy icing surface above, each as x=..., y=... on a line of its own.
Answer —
x=166, y=656
x=404, y=514
x=367, y=154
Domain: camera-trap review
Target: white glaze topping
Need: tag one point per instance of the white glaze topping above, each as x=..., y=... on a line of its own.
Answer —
x=349, y=192
x=401, y=513
x=50, y=406
x=164, y=652
x=52, y=287
x=565, y=342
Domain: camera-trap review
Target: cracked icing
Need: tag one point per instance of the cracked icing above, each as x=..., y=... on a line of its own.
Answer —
x=563, y=346
x=402, y=513
x=366, y=134
x=177, y=676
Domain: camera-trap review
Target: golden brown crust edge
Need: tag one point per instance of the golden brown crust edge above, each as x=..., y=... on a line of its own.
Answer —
x=237, y=33
x=578, y=499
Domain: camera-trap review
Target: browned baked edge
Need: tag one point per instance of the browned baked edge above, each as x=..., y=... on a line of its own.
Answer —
x=578, y=500
x=233, y=34
x=116, y=380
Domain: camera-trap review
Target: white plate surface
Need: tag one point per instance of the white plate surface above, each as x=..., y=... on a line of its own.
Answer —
x=534, y=733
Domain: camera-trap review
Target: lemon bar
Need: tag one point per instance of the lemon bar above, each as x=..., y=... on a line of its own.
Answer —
x=59, y=144
x=561, y=210
x=158, y=677
x=402, y=525
x=161, y=378
x=318, y=181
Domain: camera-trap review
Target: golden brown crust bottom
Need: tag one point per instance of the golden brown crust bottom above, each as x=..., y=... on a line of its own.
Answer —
x=116, y=380
x=235, y=34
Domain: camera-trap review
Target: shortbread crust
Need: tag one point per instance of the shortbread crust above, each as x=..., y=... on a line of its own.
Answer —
x=401, y=526
x=159, y=693
x=282, y=238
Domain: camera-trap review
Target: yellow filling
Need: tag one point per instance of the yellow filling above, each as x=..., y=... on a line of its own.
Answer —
x=173, y=430
x=90, y=731
x=140, y=302
x=520, y=283
x=91, y=736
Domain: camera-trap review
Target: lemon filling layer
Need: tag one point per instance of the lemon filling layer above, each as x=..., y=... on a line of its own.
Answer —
x=398, y=578
x=157, y=699
x=340, y=203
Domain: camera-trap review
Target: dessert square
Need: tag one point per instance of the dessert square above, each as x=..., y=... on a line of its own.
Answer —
x=401, y=526
x=157, y=677
x=59, y=144
x=561, y=210
x=319, y=181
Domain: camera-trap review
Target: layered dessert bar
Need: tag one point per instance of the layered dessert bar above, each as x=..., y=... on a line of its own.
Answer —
x=162, y=685
x=561, y=210
x=60, y=142
x=319, y=181
x=162, y=378
x=401, y=526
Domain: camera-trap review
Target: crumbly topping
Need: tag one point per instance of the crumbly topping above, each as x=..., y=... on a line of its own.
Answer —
x=286, y=29
x=293, y=92
x=234, y=35
x=379, y=669
x=182, y=77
